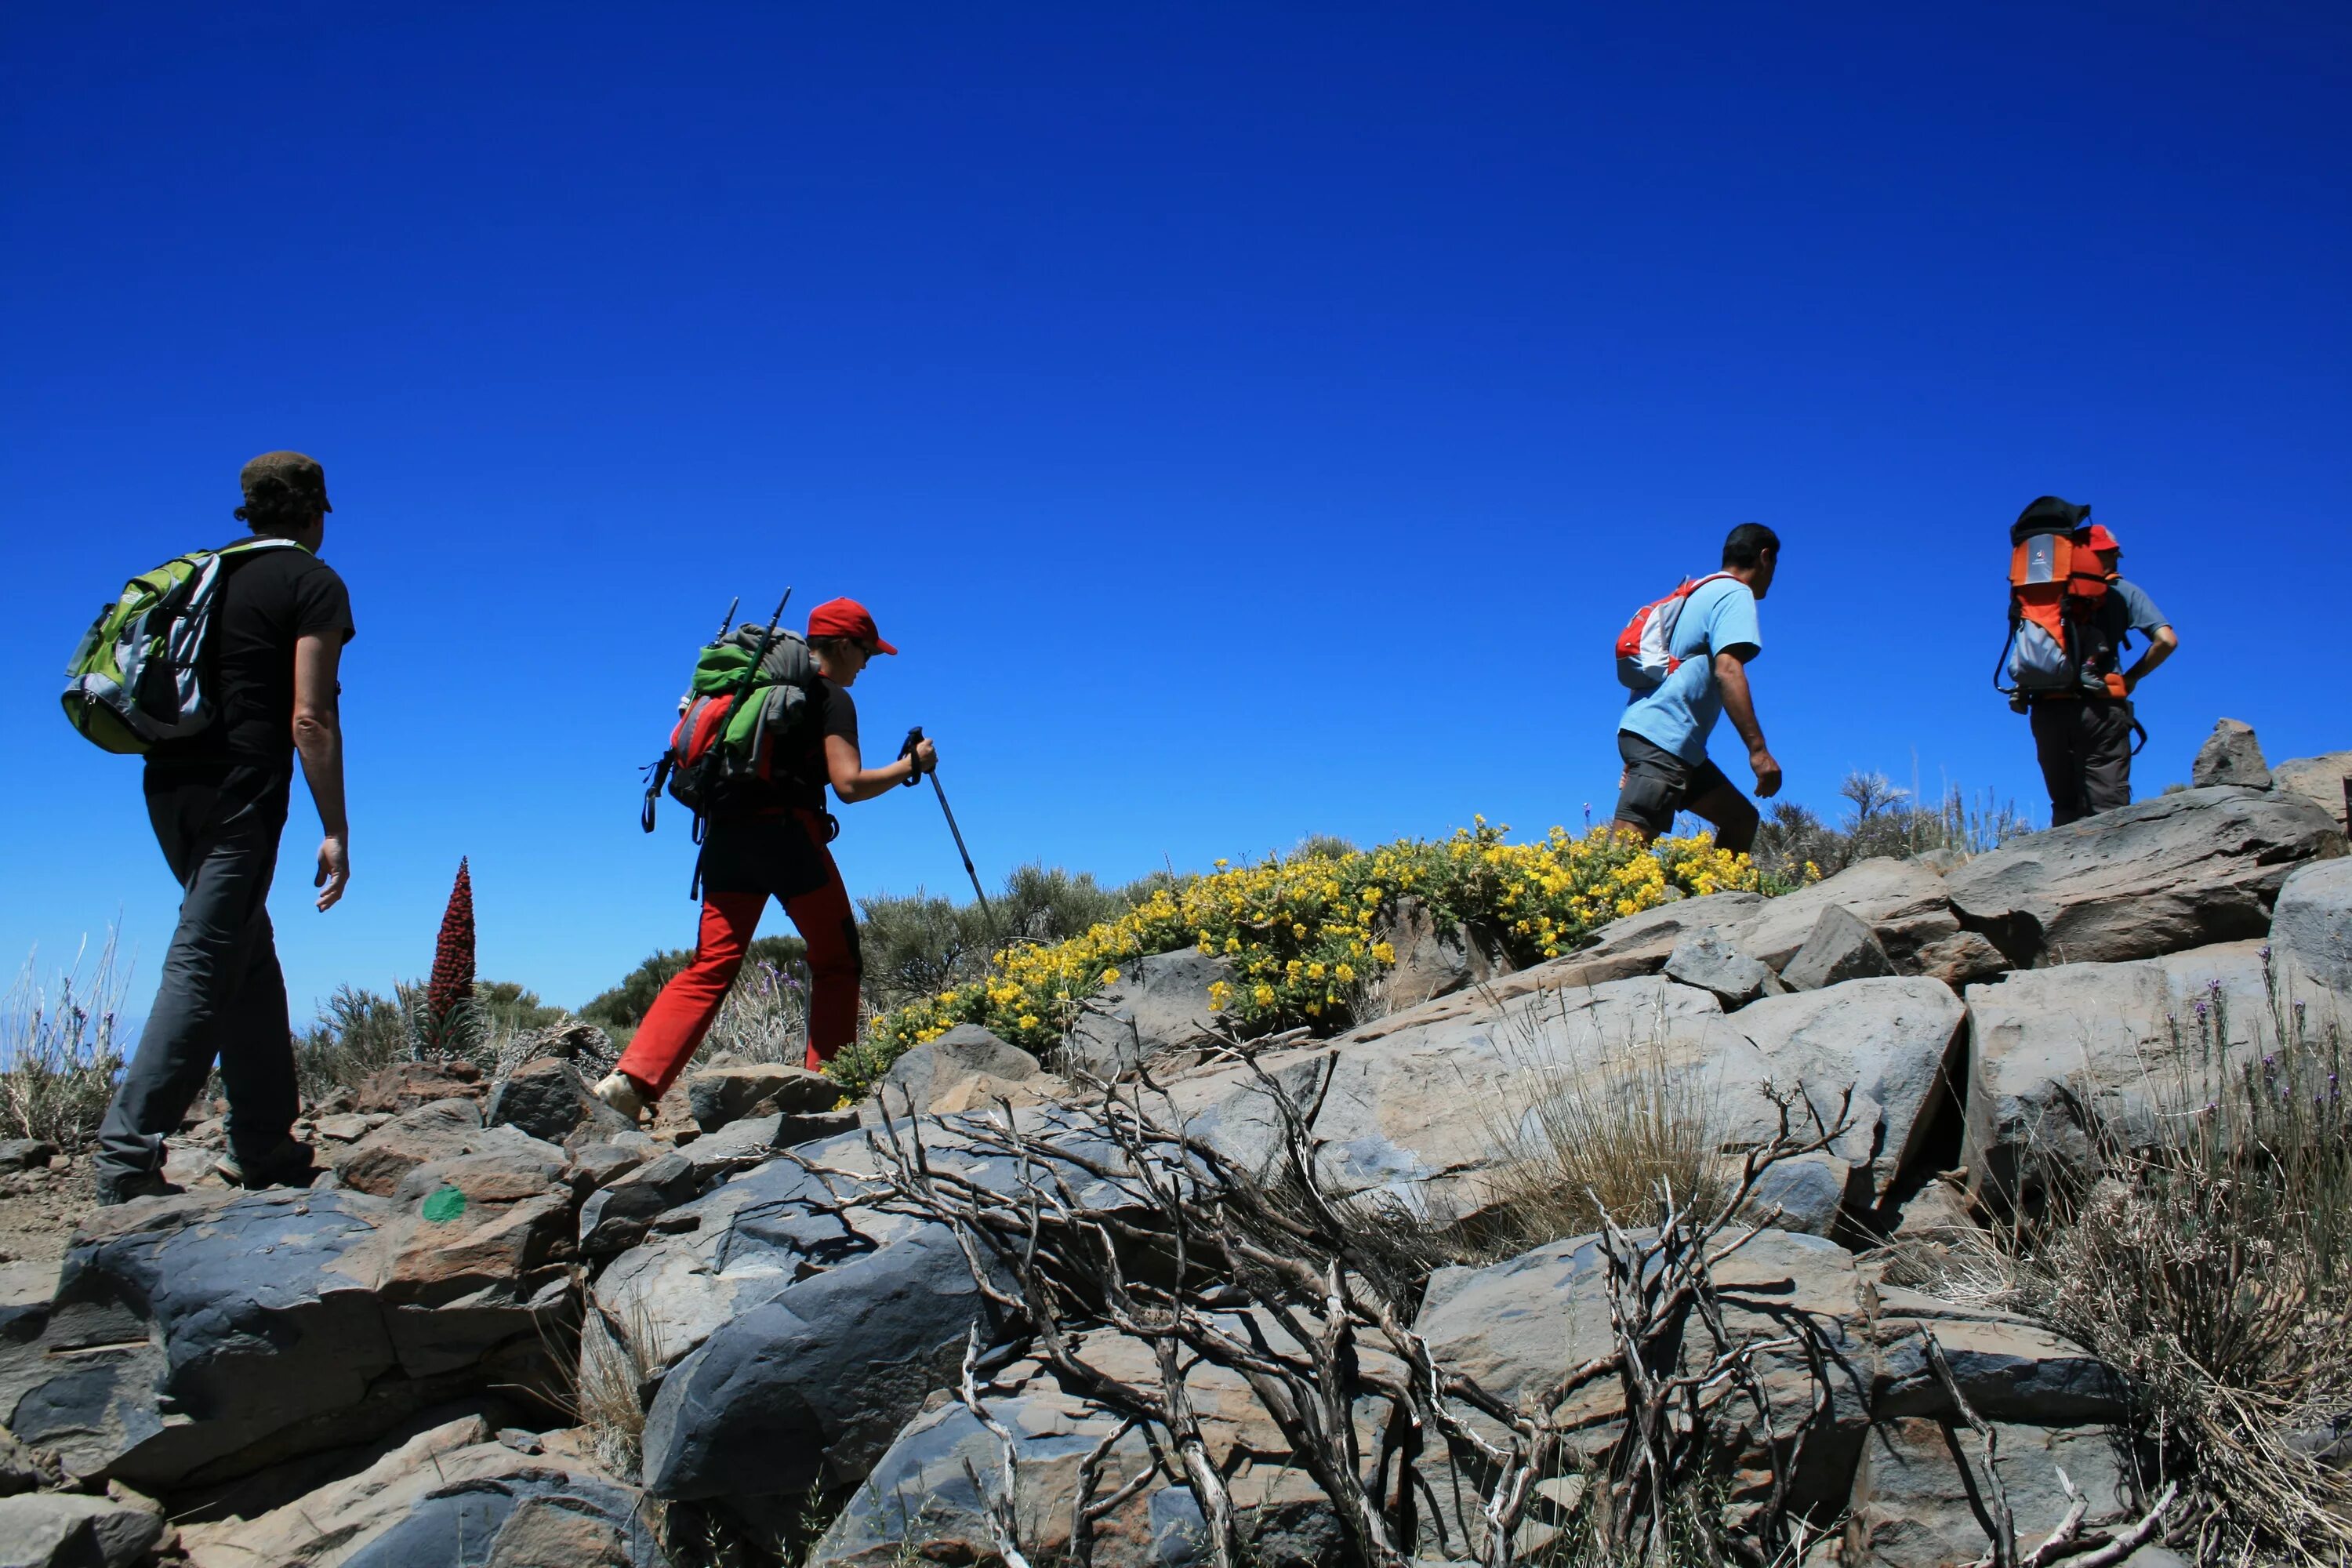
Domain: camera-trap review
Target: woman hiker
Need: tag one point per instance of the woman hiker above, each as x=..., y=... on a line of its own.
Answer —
x=770, y=842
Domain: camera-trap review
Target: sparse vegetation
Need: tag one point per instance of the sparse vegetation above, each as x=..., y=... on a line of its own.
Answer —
x=61, y=1047
x=2205, y=1252
x=1795, y=845
x=1309, y=1295
x=359, y=1031
x=1576, y=1142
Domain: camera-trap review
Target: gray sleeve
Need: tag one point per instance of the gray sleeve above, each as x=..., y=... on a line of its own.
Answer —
x=2139, y=611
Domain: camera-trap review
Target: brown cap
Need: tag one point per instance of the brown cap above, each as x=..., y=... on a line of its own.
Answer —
x=282, y=473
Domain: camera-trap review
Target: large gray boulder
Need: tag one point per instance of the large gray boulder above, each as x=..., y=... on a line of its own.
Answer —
x=438, y=1130
x=2310, y=928
x=1517, y=1325
x=929, y=1495
x=2049, y=1047
x=201, y=1337
x=1424, y=1105
x=1640, y=945
x=1904, y=903
x=451, y=1495
x=2230, y=755
x=1913, y=1507
x=795, y=1325
x=1841, y=948
x=1899, y=1041
x=709, y=1257
x=719, y=1095
x=548, y=1098
x=63, y=1530
x=968, y=1064
x=807, y=1390
x=2325, y=781
x=1158, y=1005
x=2182, y=870
x=1704, y=960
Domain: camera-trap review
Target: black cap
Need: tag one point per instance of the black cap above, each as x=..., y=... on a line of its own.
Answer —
x=288, y=475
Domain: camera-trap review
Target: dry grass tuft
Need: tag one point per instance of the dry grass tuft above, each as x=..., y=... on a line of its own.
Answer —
x=60, y=1048
x=1577, y=1140
x=605, y=1400
x=2209, y=1260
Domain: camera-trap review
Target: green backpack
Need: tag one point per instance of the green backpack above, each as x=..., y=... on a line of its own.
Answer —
x=752, y=694
x=139, y=673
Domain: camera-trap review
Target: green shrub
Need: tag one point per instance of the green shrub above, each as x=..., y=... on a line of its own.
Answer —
x=1795, y=846
x=623, y=1007
x=1301, y=932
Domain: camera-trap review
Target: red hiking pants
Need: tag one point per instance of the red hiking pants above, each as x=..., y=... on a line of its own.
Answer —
x=745, y=862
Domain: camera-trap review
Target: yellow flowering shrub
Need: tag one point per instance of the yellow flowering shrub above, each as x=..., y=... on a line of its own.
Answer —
x=1300, y=931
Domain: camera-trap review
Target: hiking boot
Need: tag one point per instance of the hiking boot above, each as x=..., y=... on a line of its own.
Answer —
x=126, y=1185
x=291, y=1165
x=623, y=1094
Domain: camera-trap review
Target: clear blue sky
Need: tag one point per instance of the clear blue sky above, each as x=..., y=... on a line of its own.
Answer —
x=1250, y=420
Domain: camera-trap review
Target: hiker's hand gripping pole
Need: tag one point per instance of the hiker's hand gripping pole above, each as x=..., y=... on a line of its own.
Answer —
x=915, y=738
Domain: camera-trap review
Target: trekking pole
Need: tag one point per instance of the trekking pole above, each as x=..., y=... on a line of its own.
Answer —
x=914, y=738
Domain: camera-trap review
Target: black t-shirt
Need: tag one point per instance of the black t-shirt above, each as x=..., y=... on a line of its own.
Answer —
x=797, y=773
x=268, y=601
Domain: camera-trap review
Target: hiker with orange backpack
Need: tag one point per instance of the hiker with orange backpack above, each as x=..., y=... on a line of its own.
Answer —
x=2070, y=617
x=220, y=667
x=766, y=830
x=1685, y=662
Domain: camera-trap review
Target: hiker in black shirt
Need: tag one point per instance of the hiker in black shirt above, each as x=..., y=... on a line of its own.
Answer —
x=217, y=801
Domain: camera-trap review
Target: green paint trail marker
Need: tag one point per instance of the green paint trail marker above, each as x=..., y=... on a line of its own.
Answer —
x=443, y=1204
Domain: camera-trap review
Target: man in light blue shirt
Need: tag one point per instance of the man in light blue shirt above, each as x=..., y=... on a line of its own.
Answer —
x=1662, y=735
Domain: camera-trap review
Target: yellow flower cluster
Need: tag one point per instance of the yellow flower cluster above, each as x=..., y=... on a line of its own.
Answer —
x=1303, y=934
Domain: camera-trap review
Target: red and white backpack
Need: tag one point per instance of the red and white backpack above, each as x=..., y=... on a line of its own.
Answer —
x=1645, y=647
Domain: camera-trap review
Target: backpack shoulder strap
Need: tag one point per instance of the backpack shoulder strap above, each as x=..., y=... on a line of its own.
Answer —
x=256, y=544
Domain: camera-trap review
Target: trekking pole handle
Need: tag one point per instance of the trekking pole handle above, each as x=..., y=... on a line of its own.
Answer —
x=914, y=738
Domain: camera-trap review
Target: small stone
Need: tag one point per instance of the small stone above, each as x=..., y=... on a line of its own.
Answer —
x=26, y=1155
x=405, y=1085
x=1960, y=959
x=1704, y=960
x=1841, y=948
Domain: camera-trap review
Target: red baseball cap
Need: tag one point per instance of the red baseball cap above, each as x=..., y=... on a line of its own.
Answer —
x=2096, y=537
x=848, y=620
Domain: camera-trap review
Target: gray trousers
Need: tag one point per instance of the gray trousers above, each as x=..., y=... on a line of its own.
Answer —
x=222, y=993
x=2084, y=747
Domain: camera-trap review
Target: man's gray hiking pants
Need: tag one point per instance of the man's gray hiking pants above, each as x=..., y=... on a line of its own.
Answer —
x=2083, y=744
x=222, y=994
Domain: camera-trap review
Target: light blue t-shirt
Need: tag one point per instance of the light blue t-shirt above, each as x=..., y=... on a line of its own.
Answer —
x=1680, y=714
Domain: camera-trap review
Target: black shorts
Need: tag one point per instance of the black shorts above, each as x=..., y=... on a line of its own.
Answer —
x=1657, y=784
x=782, y=853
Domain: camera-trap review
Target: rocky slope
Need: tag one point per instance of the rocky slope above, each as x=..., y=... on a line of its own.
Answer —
x=382, y=1369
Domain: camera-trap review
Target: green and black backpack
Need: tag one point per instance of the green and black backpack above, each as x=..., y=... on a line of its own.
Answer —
x=753, y=695
x=142, y=673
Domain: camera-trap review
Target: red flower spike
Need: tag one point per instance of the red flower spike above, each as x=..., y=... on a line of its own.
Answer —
x=451, y=985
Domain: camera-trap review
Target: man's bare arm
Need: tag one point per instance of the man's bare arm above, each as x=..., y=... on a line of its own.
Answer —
x=1740, y=702
x=318, y=738
x=853, y=781
x=2160, y=644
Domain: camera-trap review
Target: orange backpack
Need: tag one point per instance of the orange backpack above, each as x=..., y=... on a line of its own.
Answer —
x=2057, y=585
